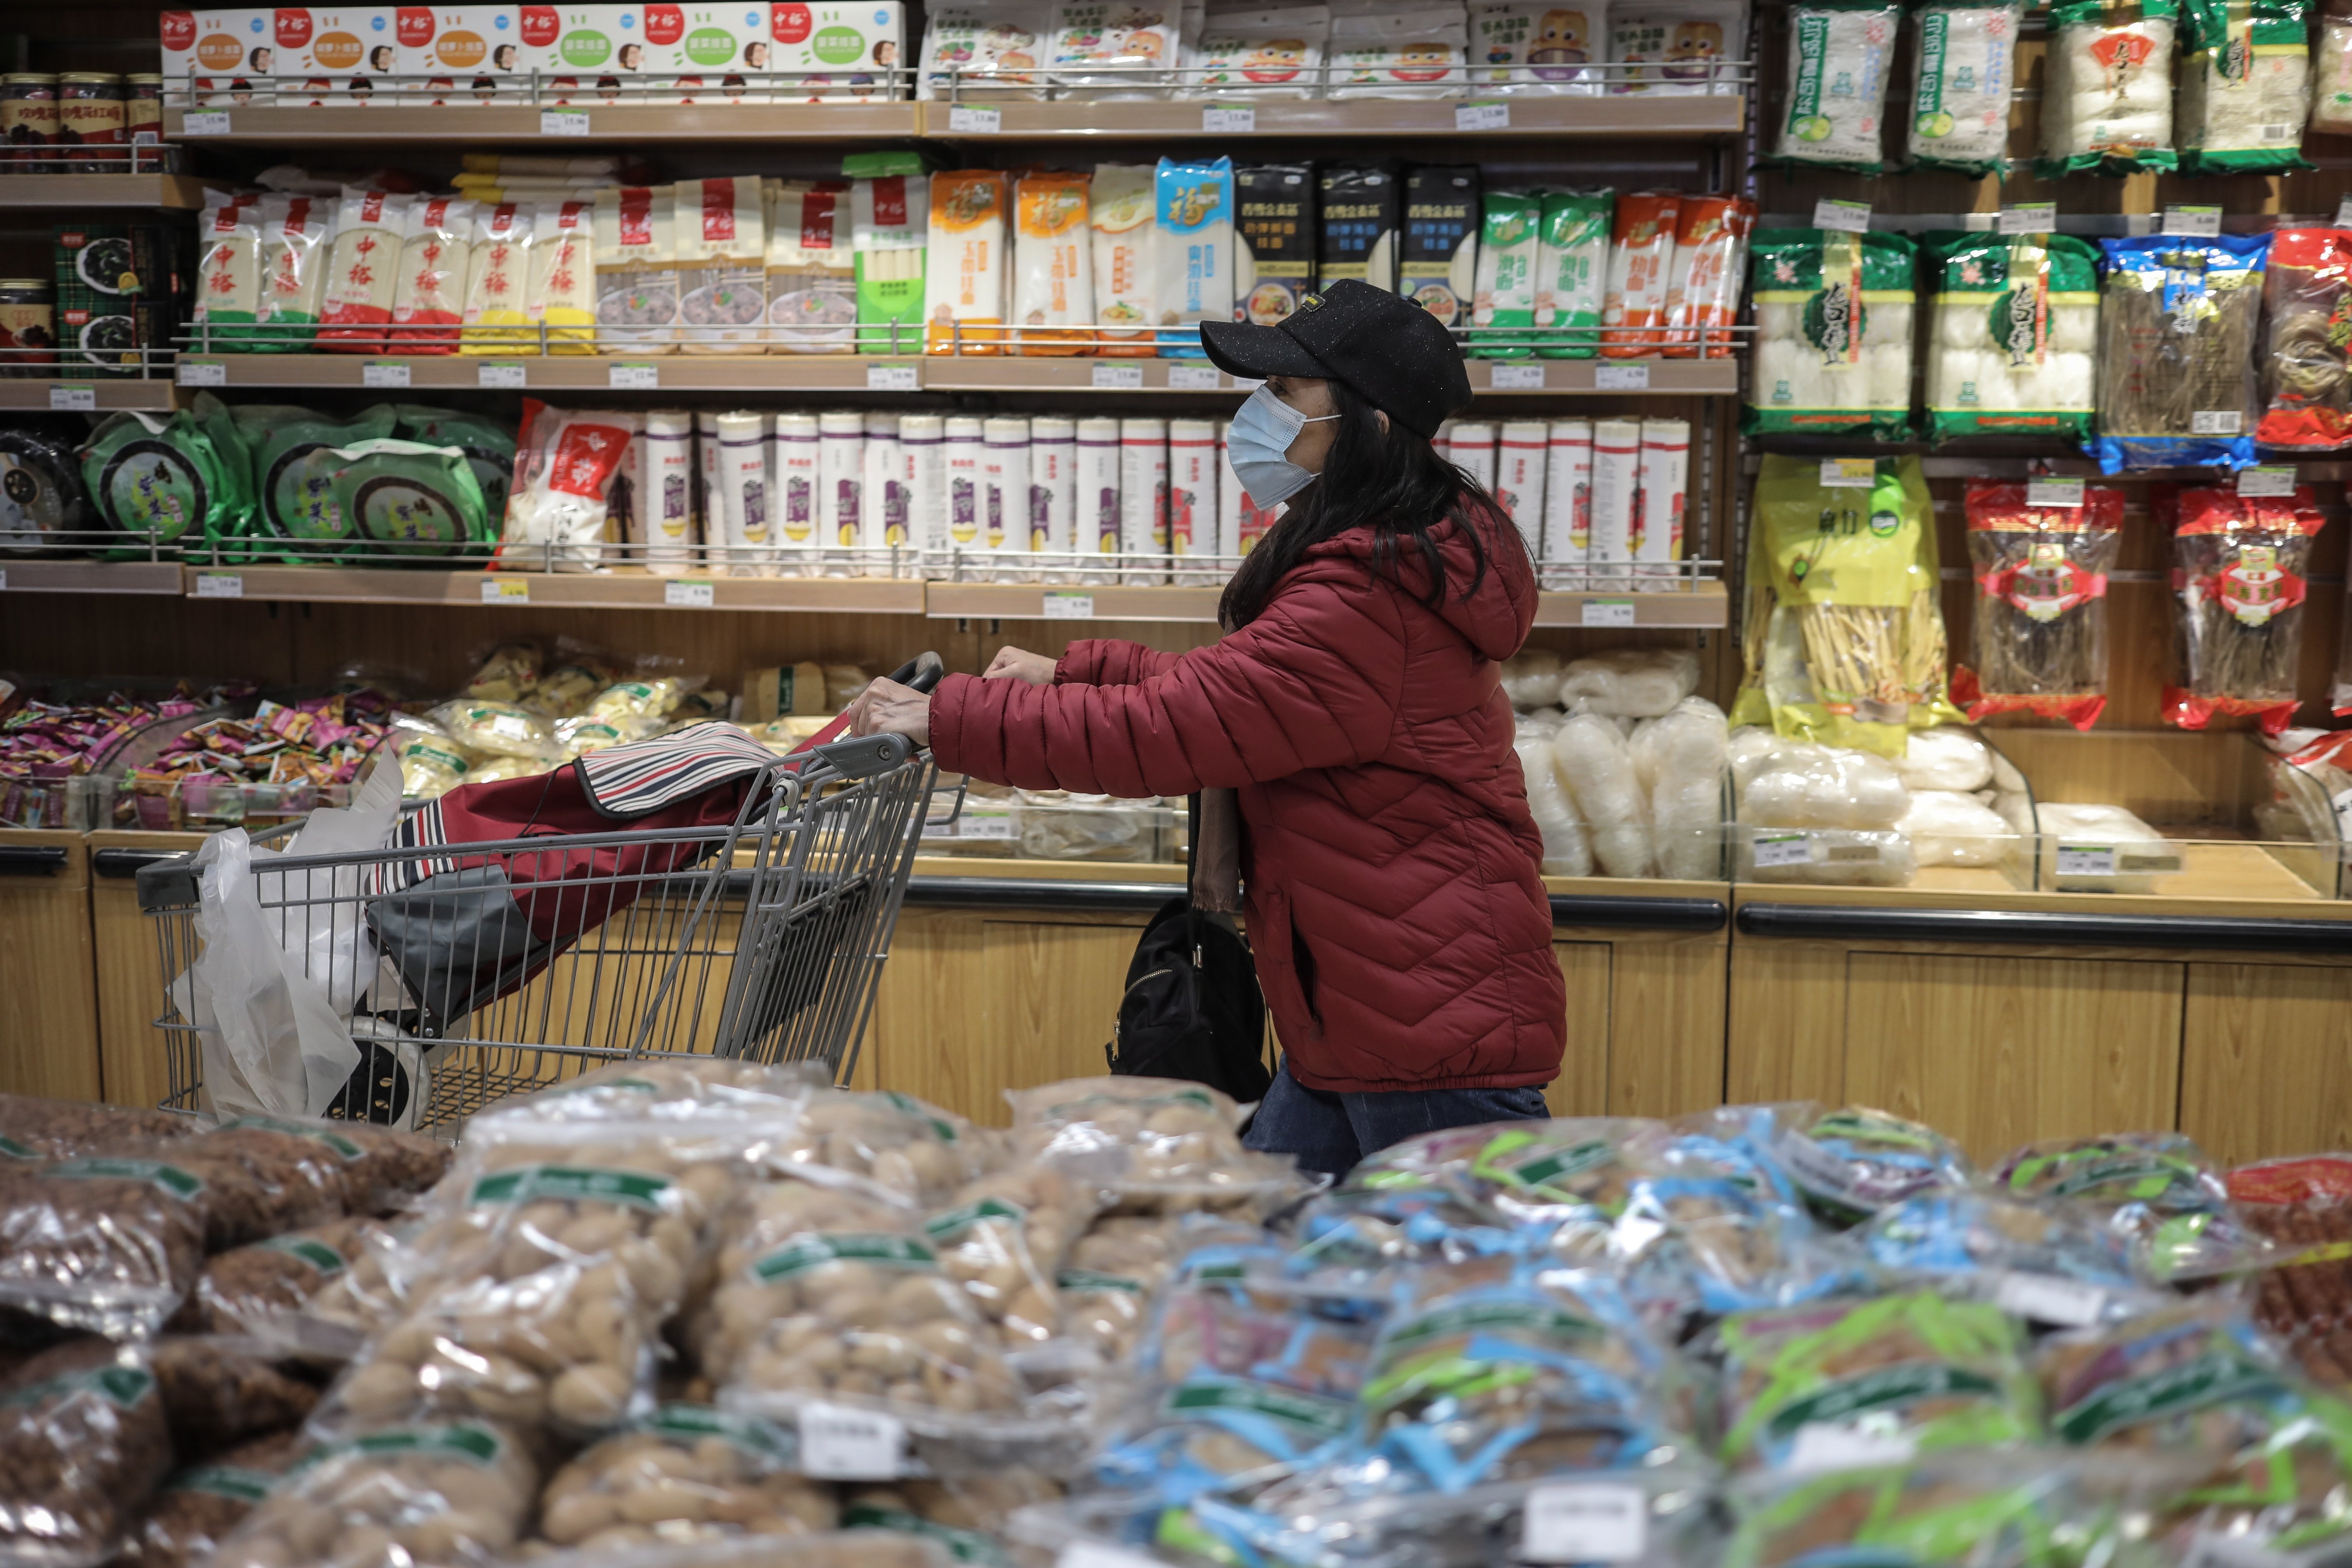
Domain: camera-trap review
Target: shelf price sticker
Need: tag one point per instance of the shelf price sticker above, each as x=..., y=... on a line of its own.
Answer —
x=893, y=378
x=2086, y=859
x=383, y=375
x=499, y=377
x=2028, y=217
x=1783, y=849
x=1517, y=378
x=839, y=1444
x=1193, y=378
x=1835, y=1445
x=211, y=124
x=1218, y=121
x=1482, y=117
x=687, y=593
x=2054, y=492
x=1609, y=613
x=1095, y=1554
x=1066, y=604
x=1119, y=378
x=505, y=591
x=2192, y=223
x=1849, y=473
x=968, y=121
x=2267, y=480
x=219, y=585
x=1846, y=217
x=1586, y=1521
x=563, y=122
x=201, y=373
x=73, y=399
x=1620, y=378
x=634, y=378
x=2050, y=1299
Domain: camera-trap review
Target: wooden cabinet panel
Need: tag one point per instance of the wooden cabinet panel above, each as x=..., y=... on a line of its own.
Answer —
x=2266, y=1062
x=48, y=1032
x=130, y=976
x=1996, y=1050
x=1666, y=997
x=1787, y=1021
x=1582, y=1086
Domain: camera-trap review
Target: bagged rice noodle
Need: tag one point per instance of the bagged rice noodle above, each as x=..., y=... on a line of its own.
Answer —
x=2177, y=321
x=720, y=228
x=495, y=322
x=1112, y=49
x=636, y=271
x=1709, y=265
x=1406, y=54
x=1679, y=760
x=1839, y=56
x=565, y=461
x=228, y=273
x=1122, y=200
x=983, y=50
x=1534, y=46
x=1571, y=272
x=436, y=253
x=964, y=277
x=1567, y=848
x=1833, y=333
x=2039, y=635
x=1949, y=829
x=2331, y=92
x=1801, y=785
x=295, y=231
x=2106, y=88
x=1964, y=68
x=1641, y=271
x=560, y=298
x=1053, y=265
x=1437, y=267
x=1531, y=679
x=363, y=272
x=1675, y=50
x=1195, y=242
x=2015, y=320
x=811, y=267
x=2141, y=852
x=890, y=206
x=1597, y=766
x=1503, y=306
x=2245, y=86
x=1358, y=225
x=1629, y=683
x=1274, y=53
x=2306, y=356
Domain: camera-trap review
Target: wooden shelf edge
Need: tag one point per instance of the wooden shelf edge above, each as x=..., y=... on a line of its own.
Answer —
x=173, y=193
x=108, y=394
x=153, y=577
x=1695, y=606
x=1189, y=604
x=622, y=590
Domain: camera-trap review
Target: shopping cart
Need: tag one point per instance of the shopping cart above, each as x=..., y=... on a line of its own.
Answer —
x=762, y=938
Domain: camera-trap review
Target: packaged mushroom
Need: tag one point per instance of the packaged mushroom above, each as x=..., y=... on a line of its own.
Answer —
x=82, y=1441
x=447, y=1494
x=686, y=1473
x=1107, y=1286
x=1003, y=1240
x=195, y=1510
x=2307, y=362
x=891, y=1145
x=264, y=1290
x=1154, y=1145
x=105, y=1243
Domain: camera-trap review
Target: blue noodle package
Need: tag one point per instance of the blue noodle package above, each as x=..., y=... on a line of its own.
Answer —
x=2177, y=321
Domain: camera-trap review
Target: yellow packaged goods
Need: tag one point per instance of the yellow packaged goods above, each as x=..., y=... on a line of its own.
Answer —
x=499, y=729
x=431, y=763
x=722, y=243
x=510, y=672
x=642, y=699
x=497, y=320
x=450, y=1493
x=561, y=299
x=964, y=276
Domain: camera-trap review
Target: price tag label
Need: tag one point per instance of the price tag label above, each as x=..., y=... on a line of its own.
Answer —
x=219, y=585
x=966, y=122
x=505, y=591
x=506, y=377
x=2070, y=1303
x=1587, y=1521
x=2028, y=217
x=2192, y=223
x=1482, y=117
x=1783, y=849
x=385, y=375
x=563, y=122
x=201, y=373
x=1609, y=613
x=2165, y=865
x=838, y=1444
x=2086, y=859
x=1846, y=217
x=1517, y=378
x=1828, y=1445
x=215, y=123
x=2267, y=481
x=2216, y=422
x=634, y=377
x=2344, y=213
x=892, y=378
x=1620, y=378
x=1119, y=378
x=2054, y=492
x=73, y=399
x=1219, y=121
x=1849, y=473
x=1095, y=1554
x=685, y=593
x=1193, y=378
x=1062, y=604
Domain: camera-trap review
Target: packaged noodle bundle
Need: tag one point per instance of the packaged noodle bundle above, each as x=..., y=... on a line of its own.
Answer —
x=1194, y=240
x=1053, y=262
x=982, y=49
x=1501, y=308
x=2106, y=89
x=1403, y=54
x=2331, y=97
x=1839, y=56
x=2039, y=635
x=560, y=299
x=812, y=269
x=564, y=463
x=1641, y=271
x=723, y=282
x=2015, y=320
x=2177, y=322
x=889, y=207
x=363, y=272
x=1665, y=50
x=436, y=251
x=1121, y=203
x=1843, y=638
x=2241, y=575
x=2245, y=86
x=294, y=234
x=1964, y=66
x=228, y=273
x=495, y=322
x=1833, y=333
x=1710, y=260
x=1572, y=271
x=2307, y=357
x=963, y=284
x=636, y=271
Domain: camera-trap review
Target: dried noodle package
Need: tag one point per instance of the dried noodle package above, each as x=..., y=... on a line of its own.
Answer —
x=2307, y=354
x=2040, y=630
x=2016, y=318
x=1839, y=55
x=2240, y=570
x=1833, y=316
x=2331, y=96
x=1964, y=69
x=636, y=271
x=363, y=272
x=2106, y=89
x=495, y=321
x=1844, y=637
x=560, y=297
x=720, y=227
x=812, y=289
x=2245, y=86
x=428, y=304
x=2177, y=322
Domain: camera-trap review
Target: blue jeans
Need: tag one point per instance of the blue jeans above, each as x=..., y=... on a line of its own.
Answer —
x=1329, y=1132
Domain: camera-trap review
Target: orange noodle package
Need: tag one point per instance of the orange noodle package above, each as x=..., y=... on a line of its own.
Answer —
x=2040, y=625
x=1710, y=259
x=2307, y=370
x=1641, y=266
x=1053, y=277
x=2241, y=576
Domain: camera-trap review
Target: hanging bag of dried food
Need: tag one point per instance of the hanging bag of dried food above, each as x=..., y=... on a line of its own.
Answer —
x=1833, y=333
x=2245, y=86
x=2106, y=90
x=2040, y=625
x=1963, y=69
x=2015, y=320
x=2307, y=359
x=2331, y=92
x=1843, y=641
x=2175, y=351
x=1840, y=52
x=2241, y=575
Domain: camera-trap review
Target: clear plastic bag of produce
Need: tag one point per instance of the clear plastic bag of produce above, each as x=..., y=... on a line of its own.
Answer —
x=1849, y=1164
x=832, y=1549
x=36, y=1128
x=2106, y=90
x=380, y=1168
x=260, y=1182
x=1002, y=1239
x=2245, y=86
x=892, y=1146
x=198, y=1506
x=1115, y=1269
x=1833, y=319
x=2303, y=1206
x=1152, y=1144
x=1603, y=787
x=1567, y=846
x=2196, y=1378
x=2040, y=631
x=1964, y=69
x=1799, y=784
x=82, y=1441
x=223, y=1389
x=1567, y=1174
x=671, y=1089
x=1220, y=1435
x=497, y=729
x=2177, y=318
x=685, y=1473
x=1985, y=1511
x=455, y=1494
x=2306, y=363
x=966, y=1515
x=2240, y=578
x=106, y=1243
x=2035, y=1259
x=2016, y=321
x=1679, y=761
x=264, y=1290
x=357, y=1301
x=1362, y=1244
x=1257, y=1331
x=1629, y=682
x=2158, y=1189
x=1841, y=53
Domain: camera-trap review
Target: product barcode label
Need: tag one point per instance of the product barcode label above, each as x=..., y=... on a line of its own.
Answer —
x=2070, y=1303
x=1849, y=473
x=1827, y=1446
x=1192, y=378
x=202, y=373
x=684, y=593
x=2193, y=223
x=1620, y=378
x=563, y=122
x=1586, y=1521
x=384, y=376
x=2216, y=422
x=1061, y=605
x=1783, y=849
x=505, y=591
x=966, y=122
x=508, y=377
x=1219, y=121
x=1520, y=377
x=2164, y=865
x=2266, y=480
x=219, y=585
x=634, y=377
x=2028, y=217
x=1482, y=117
x=986, y=825
x=2086, y=859
x=1846, y=217
x=73, y=399
x=1119, y=378
x=2280, y=131
x=1851, y=853
x=892, y=378
x=209, y=124
x=1612, y=612
x=2054, y=492
x=838, y=1444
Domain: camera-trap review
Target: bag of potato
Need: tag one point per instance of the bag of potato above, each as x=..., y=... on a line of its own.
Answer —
x=452, y=1494
x=665, y=1088
x=965, y=1515
x=1151, y=1145
x=1003, y=1239
x=82, y=1441
x=261, y=1289
x=891, y=1146
x=686, y=1473
x=360, y=1299
x=1117, y=1269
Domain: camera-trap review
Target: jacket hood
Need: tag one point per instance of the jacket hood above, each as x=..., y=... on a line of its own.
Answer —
x=1496, y=618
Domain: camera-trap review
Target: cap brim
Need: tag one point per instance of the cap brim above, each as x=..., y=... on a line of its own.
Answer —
x=1253, y=352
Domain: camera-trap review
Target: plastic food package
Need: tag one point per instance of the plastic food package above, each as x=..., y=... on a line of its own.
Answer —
x=1532, y=678
x=2156, y=1190
x=2106, y=90
x=1596, y=765
x=1156, y=1145
x=1567, y=848
x=1193, y=251
x=1572, y=268
x=183, y=476
x=455, y=1494
x=1947, y=829
x=560, y=297
x=1710, y=1230
x=1399, y=54
x=1945, y=760
x=891, y=1146
x=495, y=322
x=2016, y=318
x=966, y=1515
x=431, y=763
x=2040, y=630
x=2125, y=855
x=1803, y=785
x=2177, y=341
x=1629, y=683
x=228, y=291
x=1210, y=1329
x=1833, y=314
x=1002, y=1239
x=723, y=280
x=222, y=1389
x=2241, y=579
x=36, y=1128
x=81, y=1427
x=2035, y=1259
x=1529, y=46
x=1257, y=52
x=1503, y=306
x=964, y=277
x=812, y=261
x=1122, y=208
x=1137, y=42
x=1641, y=272
x=685, y=1473
x=1678, y=759
x=1575, y=1173
x=636, y=271
x=2126, y=1388
x=195, y=1510
x=2331, y=98
x=363, y=272
x=488, y=445
x=40, y=488
x=2245, y=86
x=1357, y=1252
x=565, y=461
x=105, y=1243
x=294, y=234
x=1106, y=1287
x=1838, y=58
x=1950, y=1510
x=1675, y=50
x=2307, y=368
x=1850, y=1164
x=983, y=50
x=499, y=729
x=1053, y=272
x=263, y=1289
x=1710, y=265
x=1964, y=68
x=2297, y=1204
x=436, y=249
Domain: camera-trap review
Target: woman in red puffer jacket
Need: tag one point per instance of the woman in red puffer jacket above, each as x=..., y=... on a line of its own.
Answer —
x=1395, y=911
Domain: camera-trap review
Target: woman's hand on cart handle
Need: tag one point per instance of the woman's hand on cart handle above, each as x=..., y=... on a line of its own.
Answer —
x=1035, y=668
x=886, y=707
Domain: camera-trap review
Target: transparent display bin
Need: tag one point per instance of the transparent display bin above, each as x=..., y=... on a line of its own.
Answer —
x=982, y=829
x=1958, y=840
x=1048, y=824
x=84, y=802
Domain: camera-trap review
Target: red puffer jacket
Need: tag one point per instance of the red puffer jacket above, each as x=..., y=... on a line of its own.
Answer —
x=1401, y=929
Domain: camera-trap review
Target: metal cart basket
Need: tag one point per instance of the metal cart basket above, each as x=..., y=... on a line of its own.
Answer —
x=761, y=939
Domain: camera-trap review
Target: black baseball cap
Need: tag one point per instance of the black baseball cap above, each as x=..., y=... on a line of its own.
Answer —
x=1391, y=352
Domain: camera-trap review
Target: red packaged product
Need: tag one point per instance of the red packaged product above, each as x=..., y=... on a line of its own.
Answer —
x=2040, y=631
x=2307, y=362
x=1710, y=259
x=2240, y=579
x=1641, y=268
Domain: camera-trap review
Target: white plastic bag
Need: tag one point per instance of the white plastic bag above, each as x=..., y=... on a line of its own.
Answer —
x=1680, y=760
x=1630, y=682
x=264, y=1026
x=1598, y=768
x=1567, y=848
x=1945, y=759
x=1947, y=829
x=338, y=948
x=1532, y=678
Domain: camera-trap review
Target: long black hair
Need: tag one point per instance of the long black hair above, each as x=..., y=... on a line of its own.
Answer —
x=1385, y=477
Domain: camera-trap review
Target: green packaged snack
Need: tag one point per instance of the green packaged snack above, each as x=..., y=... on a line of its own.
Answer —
x=1833, y=333
x=1840, y=57
x=294, y=458
x=1503, y=309
x=1571, y=268
x=1988, y=1514
x=182, y=478
x=2245, y=86
x=2016, y=321
x=410, y=499
x=488, y=445
x=2106, y=89
x=890, y=207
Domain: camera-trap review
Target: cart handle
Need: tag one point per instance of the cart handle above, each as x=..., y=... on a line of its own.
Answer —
x=920, y=673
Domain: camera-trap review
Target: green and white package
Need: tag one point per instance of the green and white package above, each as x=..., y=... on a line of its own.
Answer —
x=1835, y=107
x=1571, y=268
x=410, y=499
x=228, y=291
x=2245, y=86
x=293, y=456
x=1503, y=307
x=2106, y=88
x=1964, y=61
x=2016, y=321
x=890, y=208
x=184, y=477
x=1833, y=333
x=488, y=445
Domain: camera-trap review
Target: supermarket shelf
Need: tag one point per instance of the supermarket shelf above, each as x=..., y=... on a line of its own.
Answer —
x=1026, y=601
x=555, y=372
x=1702, y=604
x=1824, y=922
x=584, y=590
x=1658, y=377
x=1622, y=115
x=1014, y=372
x=89, y=577
x=153, y=396
x=477, y=125
x=172, y=191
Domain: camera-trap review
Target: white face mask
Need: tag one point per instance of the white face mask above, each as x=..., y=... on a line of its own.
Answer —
x=1262, y=429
